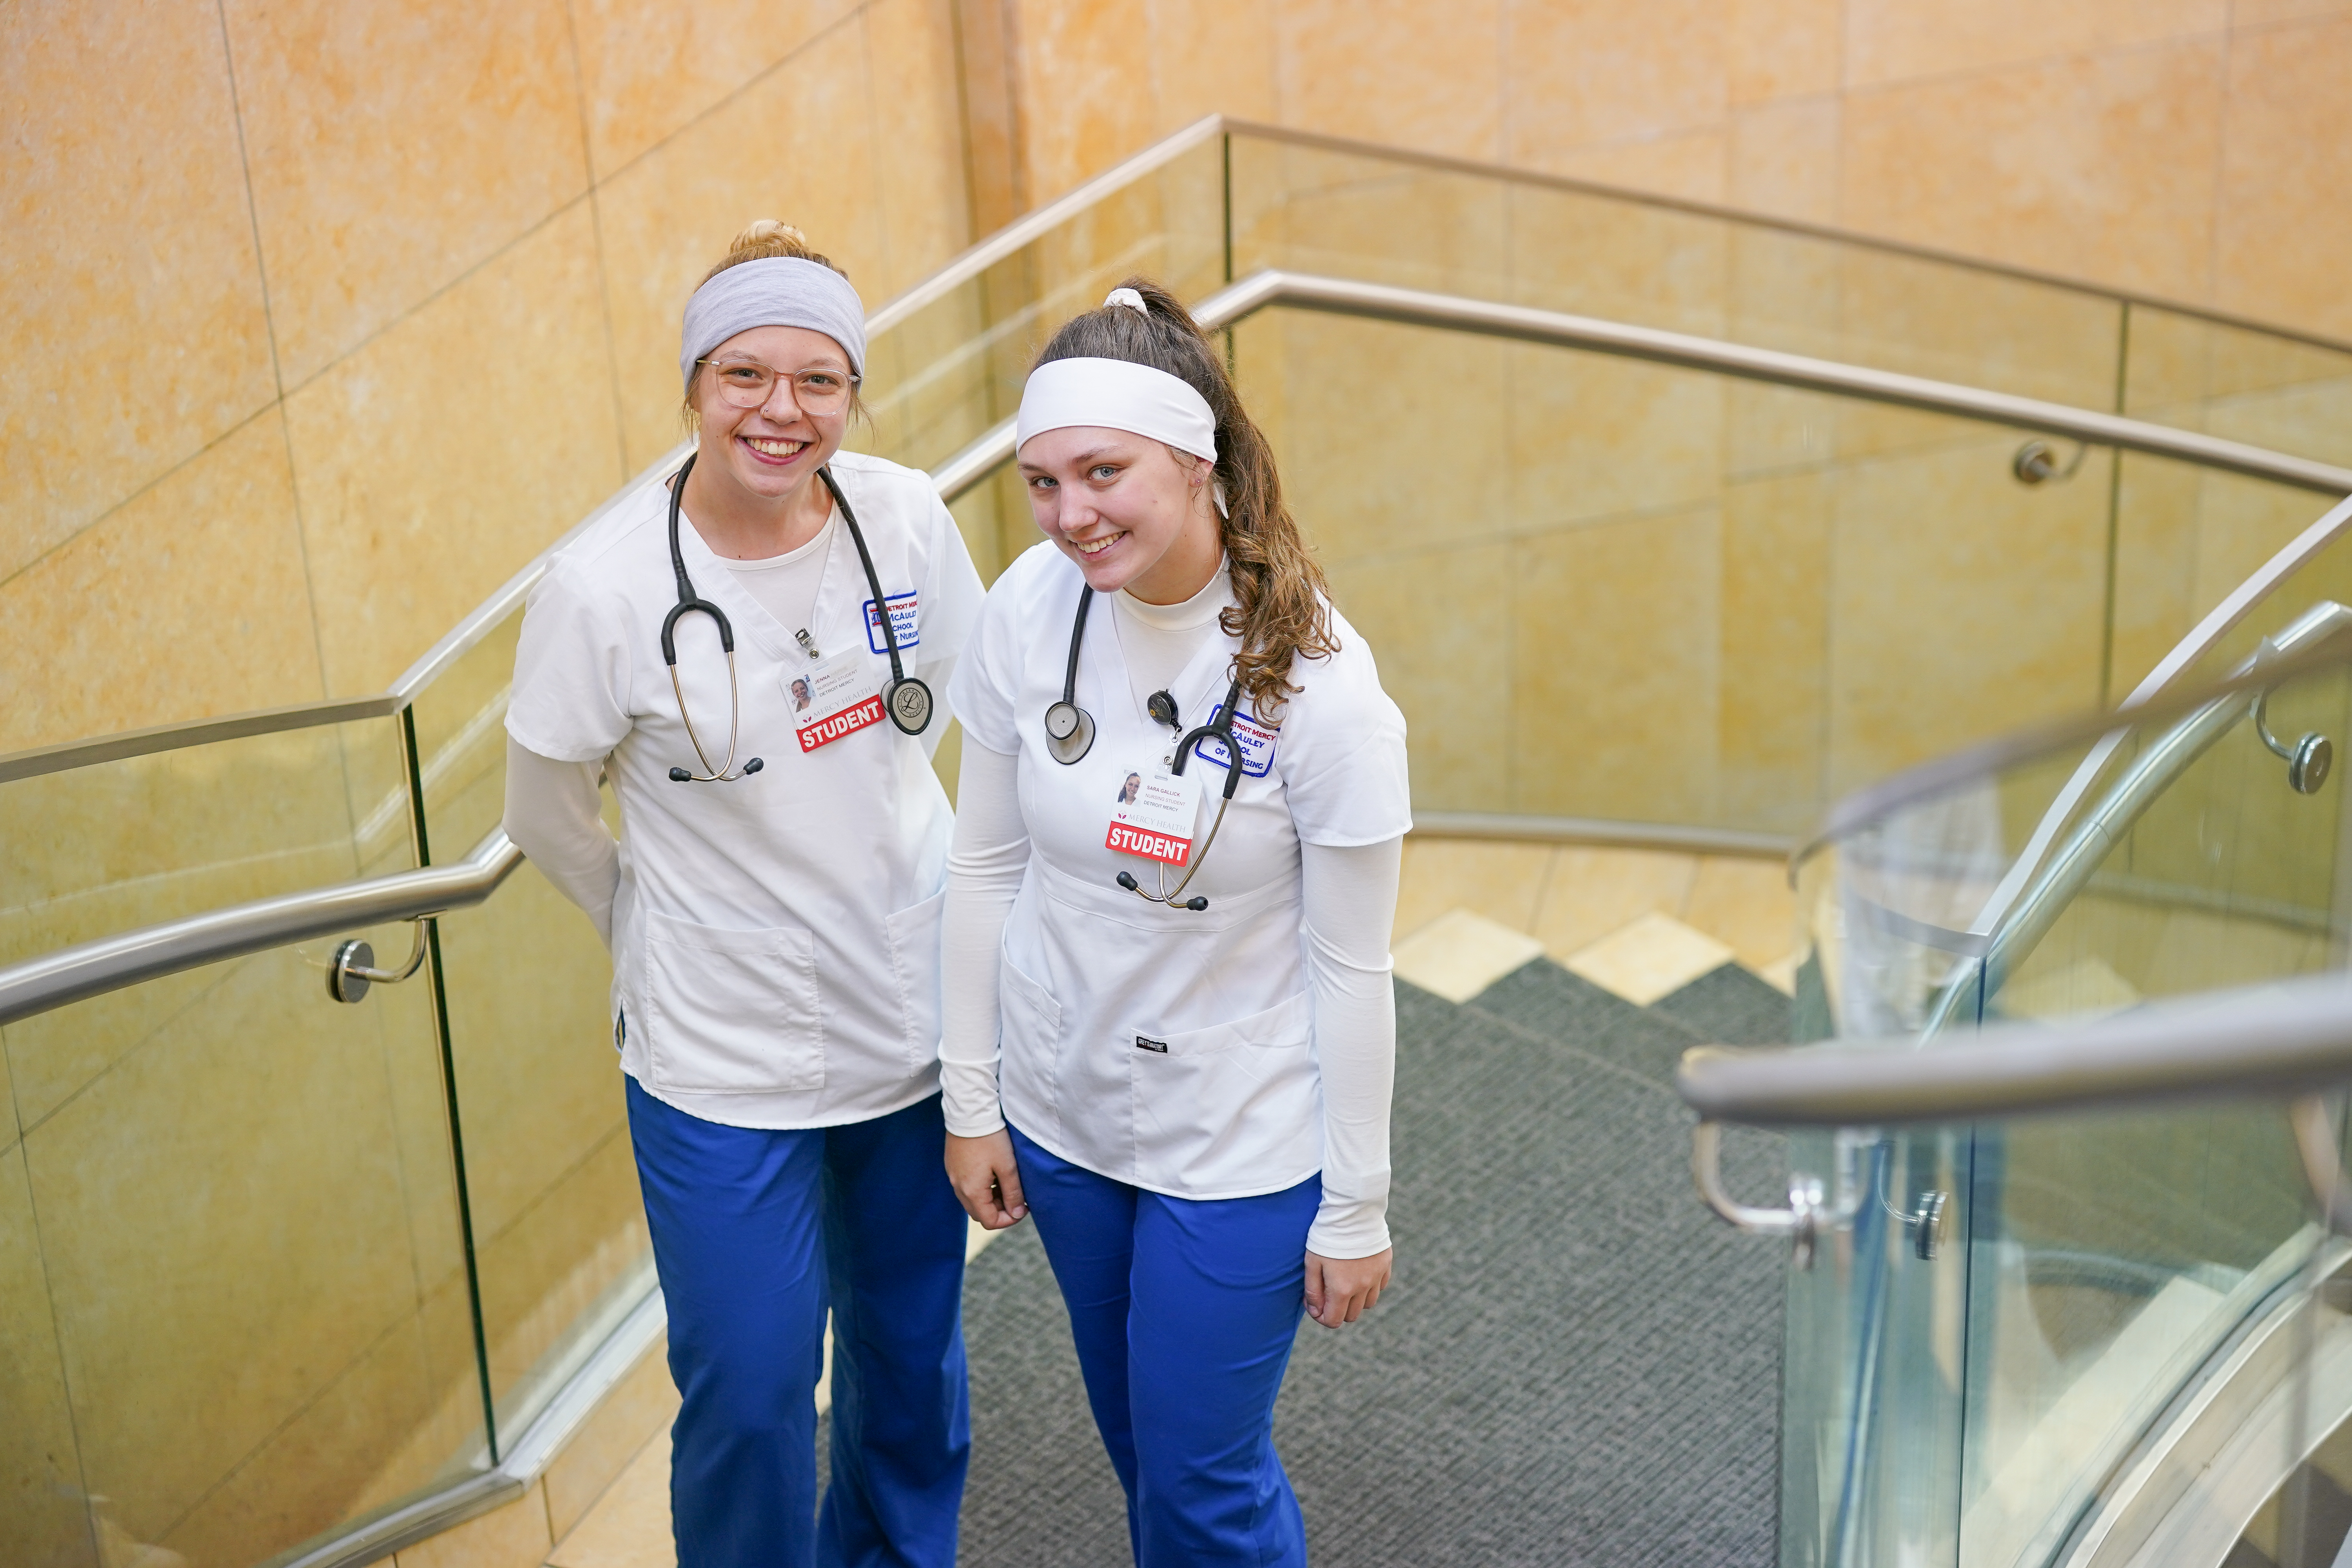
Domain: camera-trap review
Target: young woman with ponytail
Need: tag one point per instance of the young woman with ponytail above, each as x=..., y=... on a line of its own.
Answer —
x=1188, y=1085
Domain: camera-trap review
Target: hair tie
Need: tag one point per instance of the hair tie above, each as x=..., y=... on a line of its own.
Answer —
x=1128, y=298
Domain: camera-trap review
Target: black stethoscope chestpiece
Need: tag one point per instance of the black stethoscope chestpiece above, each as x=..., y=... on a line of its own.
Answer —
x=1070, y=729
x=1069, y=732
x=909, y=703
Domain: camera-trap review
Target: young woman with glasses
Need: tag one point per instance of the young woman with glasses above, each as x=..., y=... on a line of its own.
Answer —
x=744, y=649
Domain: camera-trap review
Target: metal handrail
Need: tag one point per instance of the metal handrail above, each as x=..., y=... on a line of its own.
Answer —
x=2194, y=719
x=108, y=963
x=2281, y=1040
x=1525, y=324
x=1414, y=307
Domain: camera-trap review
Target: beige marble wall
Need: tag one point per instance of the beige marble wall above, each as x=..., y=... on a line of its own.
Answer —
x=2188, y=148
x=323, y=318
x=281, y=317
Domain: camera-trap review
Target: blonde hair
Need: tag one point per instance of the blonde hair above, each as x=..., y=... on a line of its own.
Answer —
x=1281, y=610
x=761, y=238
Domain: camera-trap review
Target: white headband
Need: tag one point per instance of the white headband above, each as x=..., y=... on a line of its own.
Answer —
x=773, y=291
x=1118, y=395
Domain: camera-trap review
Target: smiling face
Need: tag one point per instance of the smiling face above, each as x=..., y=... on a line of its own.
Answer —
x=1130, y=513
x=767, y=454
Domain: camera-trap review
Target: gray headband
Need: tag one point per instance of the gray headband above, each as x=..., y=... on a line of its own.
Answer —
x=773, y=291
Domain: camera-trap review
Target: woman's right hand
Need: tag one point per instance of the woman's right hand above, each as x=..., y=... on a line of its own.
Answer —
x=986, y=1180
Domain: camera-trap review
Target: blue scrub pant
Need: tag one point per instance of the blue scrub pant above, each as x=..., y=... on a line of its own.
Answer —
x=756, y=1232
x=1184, y=1312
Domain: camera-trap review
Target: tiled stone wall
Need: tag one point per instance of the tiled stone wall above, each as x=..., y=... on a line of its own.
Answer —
x=2186, y=148
x=322, y=318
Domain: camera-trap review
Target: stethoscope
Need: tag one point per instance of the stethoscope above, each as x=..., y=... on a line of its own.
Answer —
x=1070, y=734
x=906, y=700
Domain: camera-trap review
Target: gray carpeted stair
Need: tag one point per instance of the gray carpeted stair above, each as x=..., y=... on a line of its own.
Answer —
x=1577, y=1364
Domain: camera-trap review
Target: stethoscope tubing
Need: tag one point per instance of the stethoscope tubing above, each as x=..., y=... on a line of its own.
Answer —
x=899, y=677
x=690, y=602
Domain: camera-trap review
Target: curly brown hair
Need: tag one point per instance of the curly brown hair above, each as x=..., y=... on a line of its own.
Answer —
x=1282, y=610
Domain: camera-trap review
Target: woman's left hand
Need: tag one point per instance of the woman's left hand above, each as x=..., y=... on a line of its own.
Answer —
x=1341, y=1290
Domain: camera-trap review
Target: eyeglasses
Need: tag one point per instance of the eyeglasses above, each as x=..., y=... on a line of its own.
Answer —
x=747, y=384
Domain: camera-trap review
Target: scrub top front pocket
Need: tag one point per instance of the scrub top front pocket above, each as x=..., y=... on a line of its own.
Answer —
x=731, y=1012
x=1223, y=1109
x=1031, y=1033
x=914, y=933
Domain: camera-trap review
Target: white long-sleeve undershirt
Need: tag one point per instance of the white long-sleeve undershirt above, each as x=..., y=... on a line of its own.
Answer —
x=1349, y=900
x=552, y=814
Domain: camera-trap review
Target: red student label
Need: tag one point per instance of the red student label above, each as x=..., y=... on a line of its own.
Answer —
x=833, y=727
x=1164, y=847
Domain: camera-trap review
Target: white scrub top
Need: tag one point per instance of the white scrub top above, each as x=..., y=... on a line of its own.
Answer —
x=1170, y=1049
x=775, y=938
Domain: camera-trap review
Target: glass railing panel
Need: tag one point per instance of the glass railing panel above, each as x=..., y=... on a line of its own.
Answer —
x=114, y=847
x=2240, y=383
x=1378, y=219
x=954, y=367
x=1587, y=252
x=559, y=1233
x=127, y=843
x=1606, y=589
x=236, y=1313
x=2109, y=1260
x=2093, y=1266
x=2186, y=537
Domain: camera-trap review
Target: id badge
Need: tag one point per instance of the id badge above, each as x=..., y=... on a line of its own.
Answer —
x=832, y=698
x=1154, y=814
